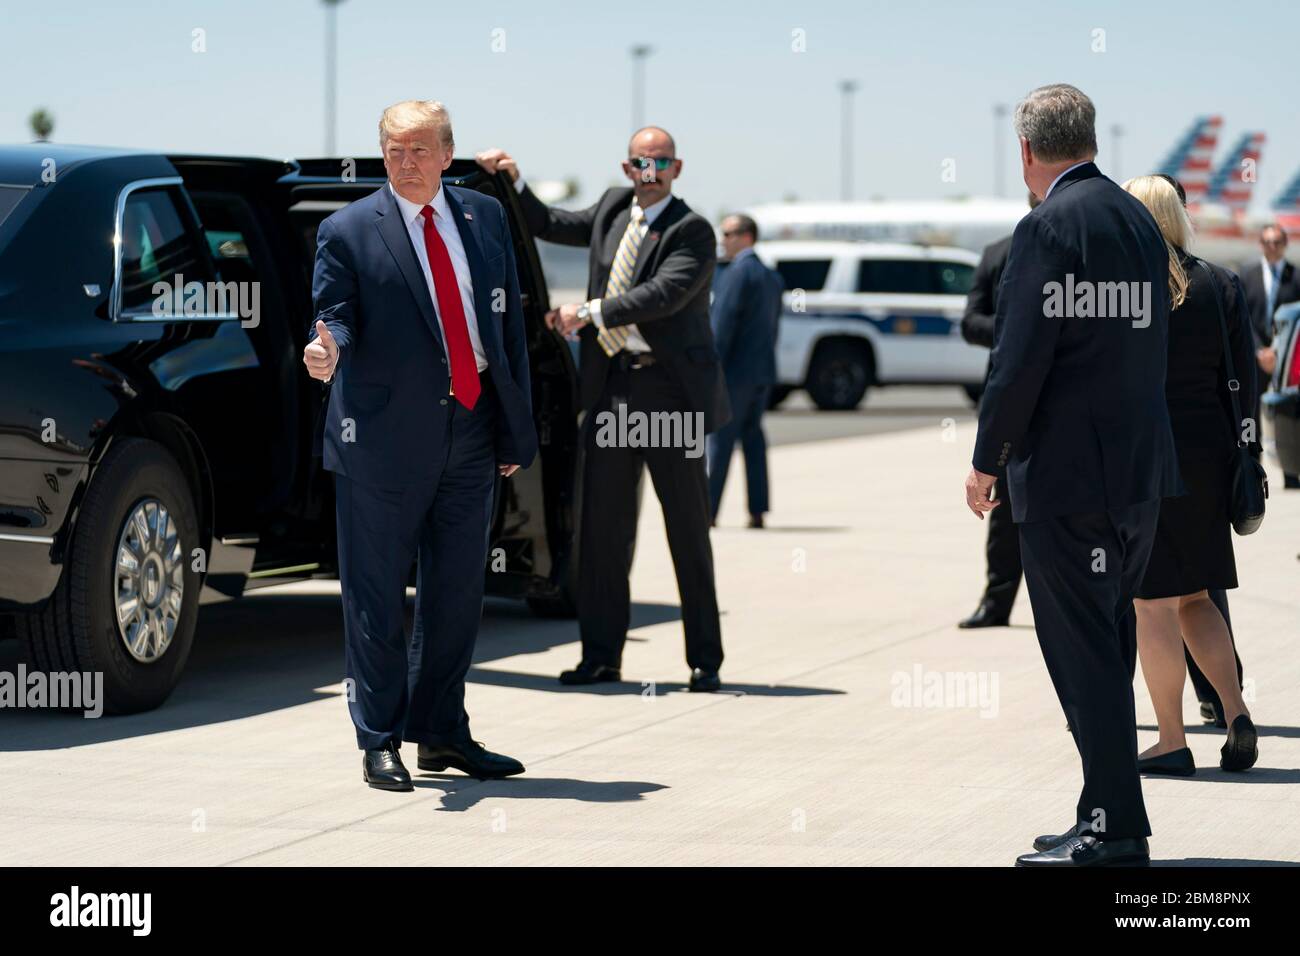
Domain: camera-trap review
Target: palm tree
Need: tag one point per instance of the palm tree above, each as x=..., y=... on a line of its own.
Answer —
x=42, y=123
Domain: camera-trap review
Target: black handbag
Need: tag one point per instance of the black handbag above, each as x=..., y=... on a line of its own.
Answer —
x=1249, y=480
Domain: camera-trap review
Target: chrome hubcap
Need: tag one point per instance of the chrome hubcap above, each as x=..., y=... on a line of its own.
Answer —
x=150, y=580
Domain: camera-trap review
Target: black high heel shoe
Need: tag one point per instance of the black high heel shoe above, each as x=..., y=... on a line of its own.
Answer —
x=1242, y=747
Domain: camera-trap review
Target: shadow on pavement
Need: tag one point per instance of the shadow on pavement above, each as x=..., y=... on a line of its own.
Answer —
x=462, y=793
x=270, y=651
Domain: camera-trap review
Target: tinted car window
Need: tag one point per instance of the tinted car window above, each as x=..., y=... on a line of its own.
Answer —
x=10, y=196
x=912, y=276
x=806, y=274
x=157, y=247
x=953, y=278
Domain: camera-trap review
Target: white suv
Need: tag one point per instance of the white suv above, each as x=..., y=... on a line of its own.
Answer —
x=867, y=313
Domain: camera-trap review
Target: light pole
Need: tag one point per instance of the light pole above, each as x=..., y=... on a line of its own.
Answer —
x=1116, y=131
x=999, y=130
x=847, y=89
x=639, y=54
x=331, y=72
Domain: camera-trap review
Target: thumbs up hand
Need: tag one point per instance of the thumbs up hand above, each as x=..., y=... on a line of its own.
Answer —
x=321, y=354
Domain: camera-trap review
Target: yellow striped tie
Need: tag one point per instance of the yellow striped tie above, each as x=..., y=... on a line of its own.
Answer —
x=620, y=278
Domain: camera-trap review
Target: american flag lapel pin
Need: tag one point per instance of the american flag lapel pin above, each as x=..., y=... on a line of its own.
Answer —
x=653, y=236
x=469, y=216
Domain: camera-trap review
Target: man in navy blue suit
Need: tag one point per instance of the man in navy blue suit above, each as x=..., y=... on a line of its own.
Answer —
x=1074, y=419
x=419, y=330
x=746, y=310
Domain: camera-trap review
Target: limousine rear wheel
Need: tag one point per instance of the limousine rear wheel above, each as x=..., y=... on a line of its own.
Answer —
x=839, y=373
x=128, y=599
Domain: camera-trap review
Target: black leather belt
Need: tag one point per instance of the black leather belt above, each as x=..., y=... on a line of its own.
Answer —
x=630, y=360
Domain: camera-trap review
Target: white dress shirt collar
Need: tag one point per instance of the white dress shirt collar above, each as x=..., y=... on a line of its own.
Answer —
x=652, y=212
x=1063, y=173
x=411, y=210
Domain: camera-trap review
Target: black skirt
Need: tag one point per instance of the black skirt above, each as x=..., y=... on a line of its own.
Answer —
x=1193, y=544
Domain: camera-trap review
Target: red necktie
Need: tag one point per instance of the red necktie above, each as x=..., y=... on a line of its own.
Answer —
x=464, y=368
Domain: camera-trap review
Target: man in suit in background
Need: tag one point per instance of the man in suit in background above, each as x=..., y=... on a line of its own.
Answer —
x=1074, y=418
x=646, y=351
x=429, y=402
x=1269, y=282
x=1002, y=552
x=746, y=313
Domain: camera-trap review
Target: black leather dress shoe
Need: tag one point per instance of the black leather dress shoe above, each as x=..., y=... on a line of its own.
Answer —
x=986, y=615
x=1051, y=841
x=1176, y=763
x=705, y=682
x=383, y=769
x=1089, y=851
x=756, y=521
x=1242, y=750
x=1213, y=715
x=588, y=673
x=469, y=757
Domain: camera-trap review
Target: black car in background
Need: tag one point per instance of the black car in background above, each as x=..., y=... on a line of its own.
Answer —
x=152, y=461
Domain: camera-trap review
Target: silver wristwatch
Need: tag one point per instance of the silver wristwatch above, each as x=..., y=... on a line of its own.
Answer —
x=584, y=312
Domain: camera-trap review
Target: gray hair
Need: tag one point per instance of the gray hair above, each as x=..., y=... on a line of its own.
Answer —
x=1059, y=122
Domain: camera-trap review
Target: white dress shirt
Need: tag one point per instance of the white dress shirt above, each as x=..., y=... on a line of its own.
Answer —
x=450, y=234
x=1063, y=172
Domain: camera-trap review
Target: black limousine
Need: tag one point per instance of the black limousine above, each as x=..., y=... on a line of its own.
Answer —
x=155, y=459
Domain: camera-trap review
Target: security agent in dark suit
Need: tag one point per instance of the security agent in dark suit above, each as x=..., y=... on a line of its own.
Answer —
x=646, y=350
x=1002, y=551
x=1269, y=282
x=429, y=406
x=1074, y=419
x=746, y=314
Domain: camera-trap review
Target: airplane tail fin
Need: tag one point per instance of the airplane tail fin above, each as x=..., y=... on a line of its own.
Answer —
x=1191, y=159
x=1233, y=181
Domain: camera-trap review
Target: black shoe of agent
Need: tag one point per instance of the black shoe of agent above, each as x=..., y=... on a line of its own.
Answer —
x=1213, y=715
x=986, y=615
x=705, y=682
x=1241, y=750
x=383, y=769
x=1089, y=851
x=588, y=673
x=1052, y=841
x=469, y=757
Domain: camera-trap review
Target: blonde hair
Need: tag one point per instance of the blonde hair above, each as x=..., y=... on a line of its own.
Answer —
x=416, y=114
x=1161, y=199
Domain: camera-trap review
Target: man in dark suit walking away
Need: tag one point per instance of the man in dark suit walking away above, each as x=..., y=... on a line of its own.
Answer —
x=429, y=406
x=1002, y=552
x=646, y=359
x=746, y=313
x=1074, y=419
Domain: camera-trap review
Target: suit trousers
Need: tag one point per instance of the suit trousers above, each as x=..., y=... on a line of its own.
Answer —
x=1002, y=552
x=417, y=692
x=748, y=403
x=1082, y=571
x=610, y=493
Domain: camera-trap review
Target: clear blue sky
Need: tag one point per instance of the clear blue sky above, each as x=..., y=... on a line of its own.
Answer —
x=754, y=121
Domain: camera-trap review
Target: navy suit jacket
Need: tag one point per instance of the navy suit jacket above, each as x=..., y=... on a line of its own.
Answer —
x=392, y=371
x=1074, y=412
x=746, y=312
